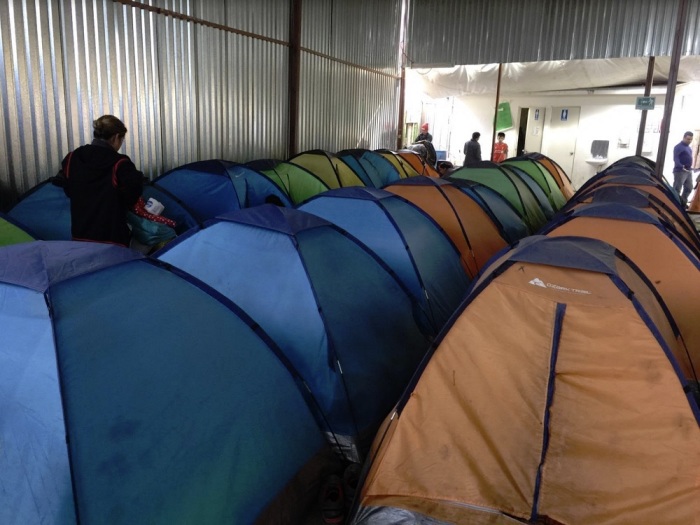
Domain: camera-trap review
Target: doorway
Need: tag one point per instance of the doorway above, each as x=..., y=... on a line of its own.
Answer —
x=560, y=145
x=530, y=128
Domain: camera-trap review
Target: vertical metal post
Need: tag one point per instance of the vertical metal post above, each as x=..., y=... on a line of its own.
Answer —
x=294, y=75
x=402, y=105
x=405, y=6
x=495, y=114
x=643, y=119
x=671, y=87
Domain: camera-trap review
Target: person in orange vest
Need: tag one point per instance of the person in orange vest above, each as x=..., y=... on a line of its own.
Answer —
x=500, y=148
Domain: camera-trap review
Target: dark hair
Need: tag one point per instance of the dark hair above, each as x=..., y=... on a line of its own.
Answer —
x=107, y=126
x=501, y=134
x=688, y=134
x=476, y=135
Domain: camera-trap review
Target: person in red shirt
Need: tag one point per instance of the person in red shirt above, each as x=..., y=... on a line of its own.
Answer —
x=500, y=148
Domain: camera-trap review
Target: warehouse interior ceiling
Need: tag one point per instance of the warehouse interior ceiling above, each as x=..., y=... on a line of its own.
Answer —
x=613, y=75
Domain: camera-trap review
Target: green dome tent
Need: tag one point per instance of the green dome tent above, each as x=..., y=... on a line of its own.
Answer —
x=297, y=182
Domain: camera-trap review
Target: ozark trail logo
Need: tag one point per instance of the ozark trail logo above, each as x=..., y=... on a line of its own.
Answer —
x=538, y=282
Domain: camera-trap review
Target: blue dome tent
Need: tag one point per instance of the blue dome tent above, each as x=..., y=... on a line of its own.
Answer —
x=130, y=393
x=211, y=187
x=338, y=313
x=45, y=211
x=406, y=238
x=374, y=169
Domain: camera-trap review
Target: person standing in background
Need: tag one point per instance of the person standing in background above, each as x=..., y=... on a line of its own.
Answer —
x=101, y=185
x=424, y=135
x=472, y=150
x=682, y=162
x=500, y=148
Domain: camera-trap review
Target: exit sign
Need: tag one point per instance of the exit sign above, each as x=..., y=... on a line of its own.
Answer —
x=645, y=103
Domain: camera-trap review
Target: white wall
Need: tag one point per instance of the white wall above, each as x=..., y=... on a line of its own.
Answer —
x=611, y=117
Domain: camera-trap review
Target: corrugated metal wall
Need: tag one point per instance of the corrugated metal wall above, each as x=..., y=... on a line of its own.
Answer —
x=210, y=78
x=343, y=105
x=190, y=79
x=479, y=32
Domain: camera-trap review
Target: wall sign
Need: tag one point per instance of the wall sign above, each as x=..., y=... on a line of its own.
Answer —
x=645, y=103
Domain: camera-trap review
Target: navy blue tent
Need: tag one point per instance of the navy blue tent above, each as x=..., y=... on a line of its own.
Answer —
x=45, y=211
x=211, y=187
x=374, y=169
x=335, y=309
x=130, y=393
x=503, y=214
x=406, y=238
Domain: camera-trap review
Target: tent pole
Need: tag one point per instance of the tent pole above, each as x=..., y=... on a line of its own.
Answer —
x=294, y=67
x=495, y=114
x=671, y=86
x=647, y=92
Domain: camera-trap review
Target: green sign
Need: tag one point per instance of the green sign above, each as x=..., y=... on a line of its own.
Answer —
x=504, y=119
x=645, y=103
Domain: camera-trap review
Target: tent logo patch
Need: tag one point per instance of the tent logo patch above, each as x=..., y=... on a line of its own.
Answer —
x=538, y=282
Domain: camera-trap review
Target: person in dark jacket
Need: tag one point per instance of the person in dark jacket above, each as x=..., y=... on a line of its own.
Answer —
x=102, y=185
x=424, y=135
x=682, y=162
x=472, y=150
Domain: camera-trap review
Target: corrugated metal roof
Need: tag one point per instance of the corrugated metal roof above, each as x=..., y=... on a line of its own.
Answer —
x=479, y=32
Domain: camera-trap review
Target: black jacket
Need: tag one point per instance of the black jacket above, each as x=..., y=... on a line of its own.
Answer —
x=99, y=194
